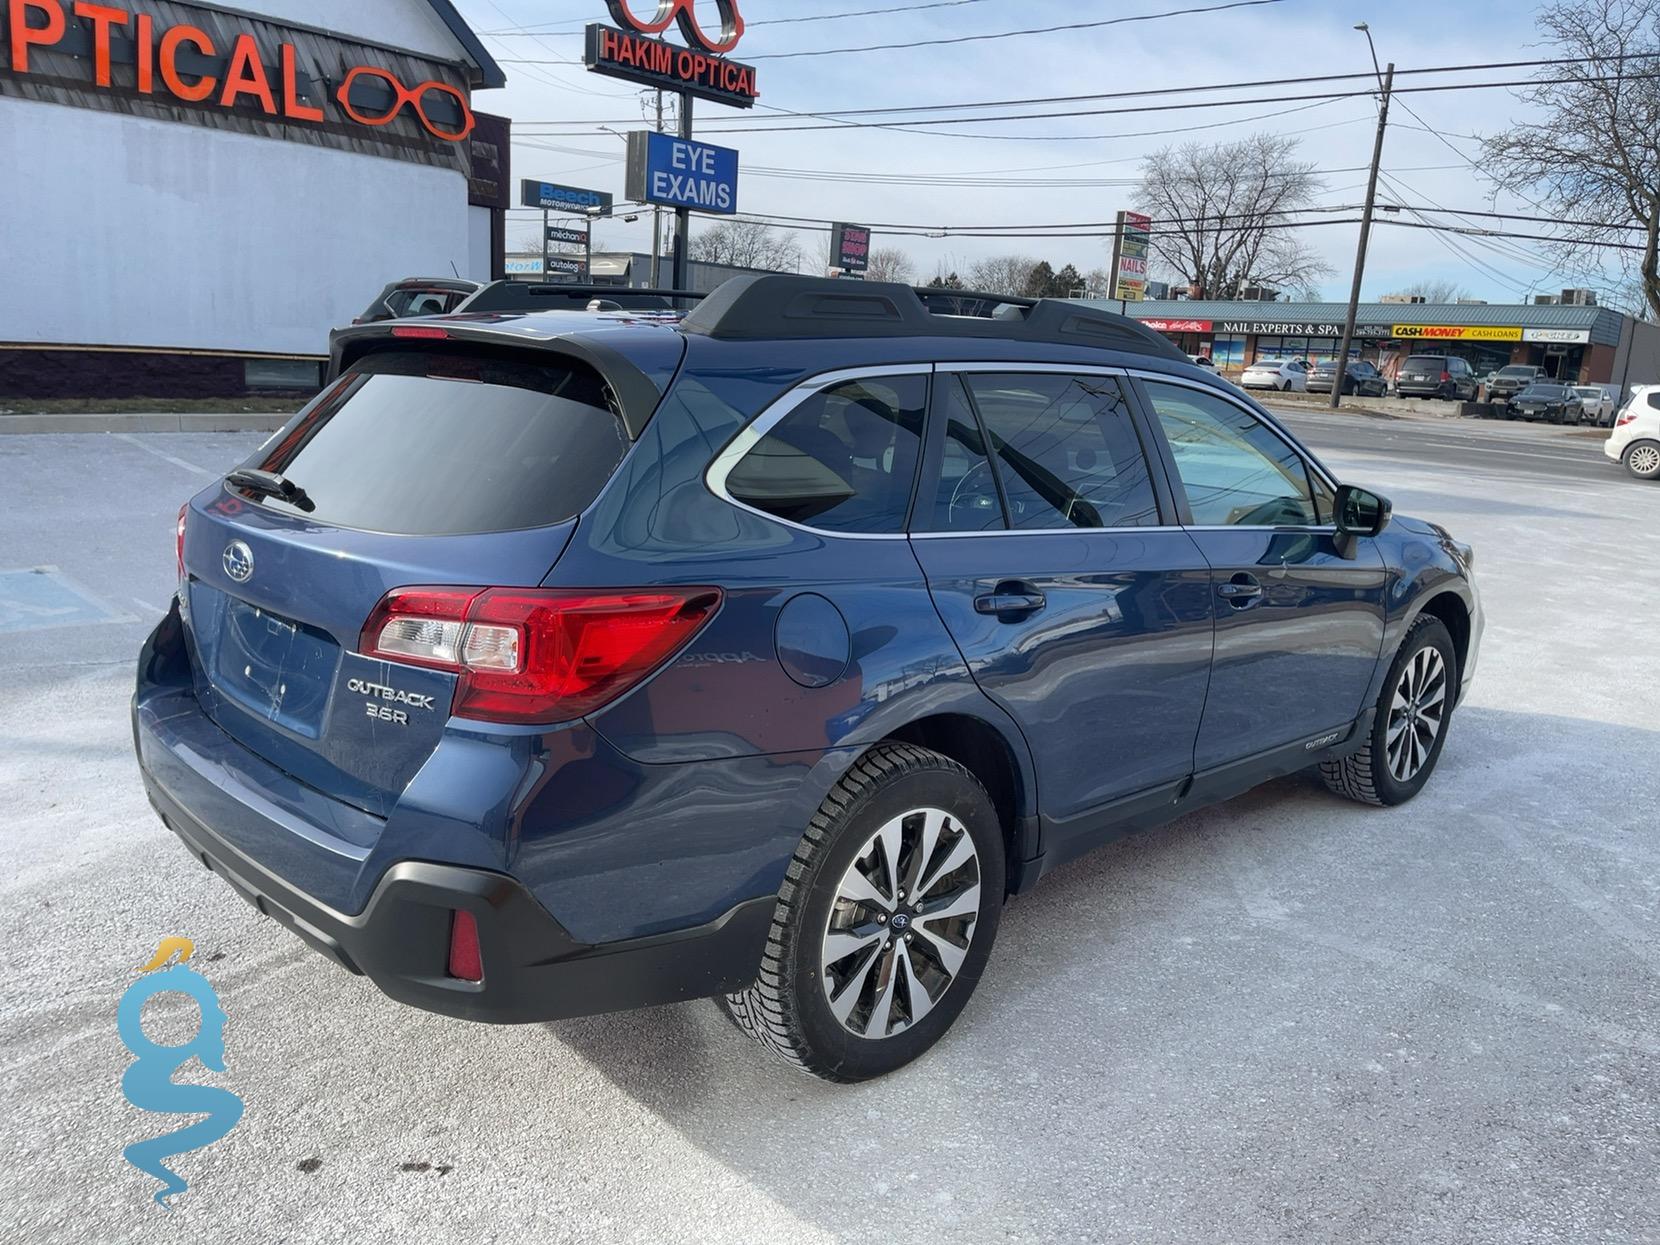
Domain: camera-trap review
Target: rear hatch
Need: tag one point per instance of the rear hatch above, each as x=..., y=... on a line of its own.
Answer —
x=446, y=466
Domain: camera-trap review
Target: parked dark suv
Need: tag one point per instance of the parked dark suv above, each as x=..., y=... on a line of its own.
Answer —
x=561, y=663
x=1436, y=376
x=1507, y=382
x=1360, y=377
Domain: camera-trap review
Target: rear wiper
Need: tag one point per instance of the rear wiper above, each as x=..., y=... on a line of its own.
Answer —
x=270, y=484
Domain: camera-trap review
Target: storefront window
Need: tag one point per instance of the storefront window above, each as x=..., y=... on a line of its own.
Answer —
x=1228, y=350
x=1282, y=348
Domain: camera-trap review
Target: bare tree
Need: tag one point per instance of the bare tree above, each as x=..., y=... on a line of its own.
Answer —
x=1001, y=274
x=889, y=263
x=1220, y=214
x=748, y=244
x=1434, y=291
x=1594, y=153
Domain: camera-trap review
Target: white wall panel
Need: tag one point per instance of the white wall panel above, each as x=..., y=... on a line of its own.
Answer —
x=119, y=230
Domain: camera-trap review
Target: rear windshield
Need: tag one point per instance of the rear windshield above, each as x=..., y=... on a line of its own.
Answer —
x=1427, y=360
x=1545, y=391
x=427, y=443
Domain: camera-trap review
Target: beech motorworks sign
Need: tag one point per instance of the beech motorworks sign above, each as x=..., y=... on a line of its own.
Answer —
x=701, y=69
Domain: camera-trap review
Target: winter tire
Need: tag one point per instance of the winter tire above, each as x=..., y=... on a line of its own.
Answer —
x=885, y=919
x=1410, y=726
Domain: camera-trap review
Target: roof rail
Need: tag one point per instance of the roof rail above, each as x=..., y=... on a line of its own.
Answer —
x=562, y=295
x=784, y=306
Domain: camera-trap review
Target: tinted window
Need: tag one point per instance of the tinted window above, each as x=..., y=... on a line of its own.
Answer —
x=844, y=460
x=966, y=499
x=430, y=443
x=1518, y=372
x=1066, y=452
x=1235, y=470
x=1426, y=363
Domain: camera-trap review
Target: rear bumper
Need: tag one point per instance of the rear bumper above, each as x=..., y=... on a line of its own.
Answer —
x=533, y=969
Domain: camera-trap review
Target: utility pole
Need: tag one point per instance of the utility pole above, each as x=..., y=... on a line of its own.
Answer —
x=1365, y=237
x=657, y=220
x=683, y=216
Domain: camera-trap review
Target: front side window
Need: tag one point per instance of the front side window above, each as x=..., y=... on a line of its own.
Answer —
x=1065, y=450
x=1236, y=471
x=844, y=460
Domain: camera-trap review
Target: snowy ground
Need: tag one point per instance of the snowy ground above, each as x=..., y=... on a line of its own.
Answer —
x=1284, y=1019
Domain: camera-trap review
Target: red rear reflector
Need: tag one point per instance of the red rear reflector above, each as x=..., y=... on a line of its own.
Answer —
x=466, y=961
x=421, y=330
x=536, y=654
x=178, y=539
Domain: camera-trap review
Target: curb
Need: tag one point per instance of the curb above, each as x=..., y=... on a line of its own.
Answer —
x=193, y=421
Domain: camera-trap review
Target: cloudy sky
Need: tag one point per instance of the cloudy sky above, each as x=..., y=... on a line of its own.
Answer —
x=558, y=109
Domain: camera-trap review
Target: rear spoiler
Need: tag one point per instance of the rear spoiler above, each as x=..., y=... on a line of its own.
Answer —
x=637, y=394
x=522, y=296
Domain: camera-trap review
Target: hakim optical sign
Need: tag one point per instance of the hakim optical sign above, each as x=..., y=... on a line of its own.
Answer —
x=700, y=69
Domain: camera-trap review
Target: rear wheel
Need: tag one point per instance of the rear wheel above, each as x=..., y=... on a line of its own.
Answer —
x=1642, y=459
x=885, y=919
x=1410, y=726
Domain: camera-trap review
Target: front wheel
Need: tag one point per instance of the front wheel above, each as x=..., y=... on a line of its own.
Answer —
x=1642, y=459
x=885, y=919
x=1410, y=725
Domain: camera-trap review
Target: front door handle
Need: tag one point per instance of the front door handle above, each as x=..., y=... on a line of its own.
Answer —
x=1241, y=592
x=1010, y=599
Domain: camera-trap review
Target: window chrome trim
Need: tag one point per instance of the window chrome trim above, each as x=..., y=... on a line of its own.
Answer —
x=1015, y=367
x=1270, y=424
x=715, y=475
x=1053, y=531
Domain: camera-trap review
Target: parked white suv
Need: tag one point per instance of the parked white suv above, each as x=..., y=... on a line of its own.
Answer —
x=1635, y=440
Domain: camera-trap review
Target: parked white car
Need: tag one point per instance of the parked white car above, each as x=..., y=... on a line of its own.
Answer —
x=1282, y=374
x=1597, y=404
x=1635, y=440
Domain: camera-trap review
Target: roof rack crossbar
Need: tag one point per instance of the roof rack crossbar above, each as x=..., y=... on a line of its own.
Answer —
x=773, y=306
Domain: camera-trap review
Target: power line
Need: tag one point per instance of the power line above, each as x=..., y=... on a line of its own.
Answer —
x=770, y=21
x=1010, y=34
x=1318, y=98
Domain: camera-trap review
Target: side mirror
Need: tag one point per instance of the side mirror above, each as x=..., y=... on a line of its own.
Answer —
x=1360, y=512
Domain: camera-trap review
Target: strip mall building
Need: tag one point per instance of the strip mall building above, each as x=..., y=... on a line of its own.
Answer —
x=1580, y=344
x=194, y=195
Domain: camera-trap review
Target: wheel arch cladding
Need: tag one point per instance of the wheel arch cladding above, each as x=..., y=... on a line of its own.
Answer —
x=1449, y=607
x=983, y=751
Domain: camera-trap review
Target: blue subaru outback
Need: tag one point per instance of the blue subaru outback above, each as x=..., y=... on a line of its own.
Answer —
x=556, y=663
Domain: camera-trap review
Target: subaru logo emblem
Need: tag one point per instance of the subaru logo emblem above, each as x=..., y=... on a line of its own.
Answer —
x=239, y=561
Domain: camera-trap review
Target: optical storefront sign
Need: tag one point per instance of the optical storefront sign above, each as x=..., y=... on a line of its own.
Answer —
x=701, y=69
x=130, y=52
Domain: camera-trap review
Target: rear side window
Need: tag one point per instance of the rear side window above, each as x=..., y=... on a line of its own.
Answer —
x=435, y=443
x=844, y=460
x=1065, y=450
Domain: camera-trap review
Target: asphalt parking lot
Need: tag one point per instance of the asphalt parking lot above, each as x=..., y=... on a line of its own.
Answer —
x=1287, y=1018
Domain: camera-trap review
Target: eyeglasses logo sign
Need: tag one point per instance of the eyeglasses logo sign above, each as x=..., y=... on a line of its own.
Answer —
x=685, y=12
x=148, y=1082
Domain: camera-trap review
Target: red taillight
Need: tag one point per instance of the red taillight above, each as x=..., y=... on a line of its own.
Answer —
x=1446, y=376
x=178, y=539
x=466, y=960
x=421, y=330
x=1624, y=418
x=536, y=654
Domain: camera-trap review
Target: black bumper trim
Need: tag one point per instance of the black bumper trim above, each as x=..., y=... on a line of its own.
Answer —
x=533, y=969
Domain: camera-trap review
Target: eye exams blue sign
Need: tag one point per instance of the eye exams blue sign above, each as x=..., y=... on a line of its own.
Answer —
x=682, y=173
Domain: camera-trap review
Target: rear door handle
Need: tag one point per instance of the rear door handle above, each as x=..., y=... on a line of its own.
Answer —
x=1241, y=592
x=1012, y=597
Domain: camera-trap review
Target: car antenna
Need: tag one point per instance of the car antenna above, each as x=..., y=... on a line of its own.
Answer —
x=455, y=270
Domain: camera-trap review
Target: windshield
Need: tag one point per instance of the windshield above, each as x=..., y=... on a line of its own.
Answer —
x=1516, y=373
